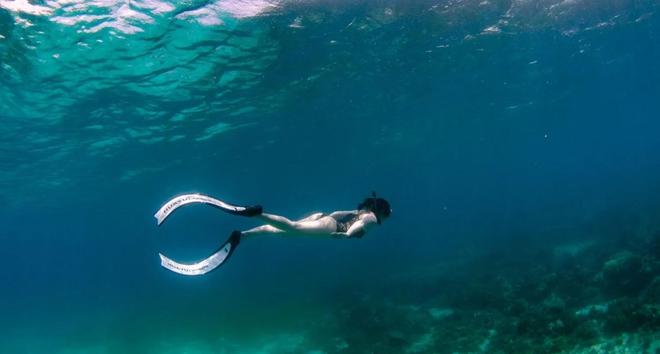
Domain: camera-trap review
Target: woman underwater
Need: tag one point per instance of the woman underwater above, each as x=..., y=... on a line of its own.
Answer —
x=339, y=224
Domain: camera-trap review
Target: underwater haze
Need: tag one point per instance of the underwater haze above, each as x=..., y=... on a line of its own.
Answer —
x=518, y=142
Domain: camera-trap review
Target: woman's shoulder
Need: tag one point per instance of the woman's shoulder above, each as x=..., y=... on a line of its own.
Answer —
x=368, y=217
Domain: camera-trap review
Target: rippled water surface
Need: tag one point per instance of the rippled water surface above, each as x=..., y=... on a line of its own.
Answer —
x=517, y=141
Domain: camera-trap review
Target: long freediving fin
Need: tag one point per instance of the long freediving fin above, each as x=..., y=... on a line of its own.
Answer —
x=186, y=199
x=206, y=265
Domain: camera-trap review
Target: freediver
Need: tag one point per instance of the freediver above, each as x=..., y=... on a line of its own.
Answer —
x=339, y=224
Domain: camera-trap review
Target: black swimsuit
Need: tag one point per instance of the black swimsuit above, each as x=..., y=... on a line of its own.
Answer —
x=345, y=222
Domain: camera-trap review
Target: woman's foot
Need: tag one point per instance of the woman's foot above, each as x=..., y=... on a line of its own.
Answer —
x=235, y=238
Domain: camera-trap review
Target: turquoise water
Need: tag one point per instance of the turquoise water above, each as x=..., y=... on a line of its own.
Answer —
x=517, y=142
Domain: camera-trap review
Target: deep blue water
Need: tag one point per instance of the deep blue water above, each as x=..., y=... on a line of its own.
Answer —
x=500, y=131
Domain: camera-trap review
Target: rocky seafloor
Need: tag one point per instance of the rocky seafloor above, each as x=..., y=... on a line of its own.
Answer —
x=567, y=296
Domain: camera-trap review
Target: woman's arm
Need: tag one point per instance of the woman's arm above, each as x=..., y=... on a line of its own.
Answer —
x=356, y=230
x=359, y=228
x=341, y=214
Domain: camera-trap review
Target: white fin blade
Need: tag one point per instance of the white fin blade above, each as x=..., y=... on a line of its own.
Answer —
x=179, y=201
x=199, y=268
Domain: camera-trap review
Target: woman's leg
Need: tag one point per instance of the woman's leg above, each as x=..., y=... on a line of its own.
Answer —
x=322, y=225
x=312, y=217
x=279, y=222
x=261, y=230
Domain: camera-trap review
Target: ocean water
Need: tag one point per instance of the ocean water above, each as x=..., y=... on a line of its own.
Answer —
x=518, y=142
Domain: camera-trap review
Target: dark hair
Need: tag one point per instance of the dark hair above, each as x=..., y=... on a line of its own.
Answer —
x=378, y=206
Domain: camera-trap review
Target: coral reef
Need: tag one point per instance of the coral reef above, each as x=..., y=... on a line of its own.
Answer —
x=599, y=297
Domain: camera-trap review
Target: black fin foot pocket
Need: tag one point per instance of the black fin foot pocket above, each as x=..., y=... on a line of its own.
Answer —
x=251, y=211
x=235, y=238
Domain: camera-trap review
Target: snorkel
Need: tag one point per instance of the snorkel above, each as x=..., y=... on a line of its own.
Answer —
x=375, y=199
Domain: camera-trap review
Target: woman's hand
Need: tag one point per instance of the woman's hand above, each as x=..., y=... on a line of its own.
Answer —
x=339, y=235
